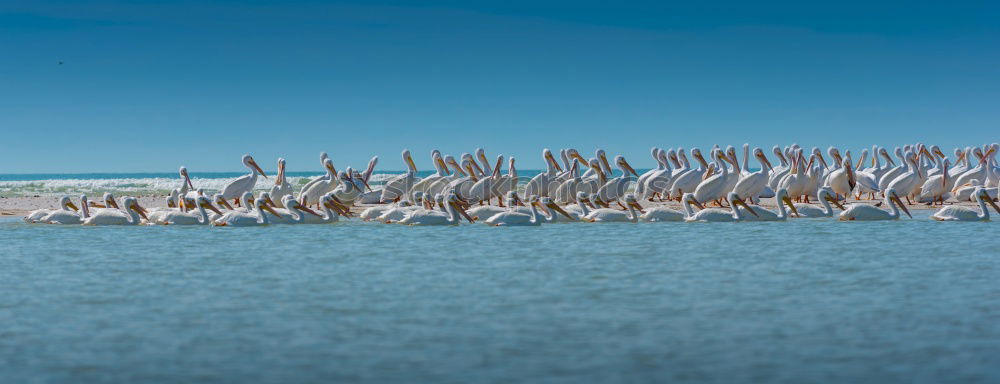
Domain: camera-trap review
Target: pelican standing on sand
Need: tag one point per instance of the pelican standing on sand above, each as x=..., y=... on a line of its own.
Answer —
x=399, y=186
x=244, y=183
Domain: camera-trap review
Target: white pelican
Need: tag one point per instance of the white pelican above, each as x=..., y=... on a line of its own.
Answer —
x=451, y=216
x=539, y=185
x=332, y=211
x=186, y=185
x=752, y=183
x=657, y=183
x=349, y=190
x=440, y=186
x=896, y=170
x=325, y=176
x=65, y=204
x=513, y=218
x=66, y=217
x=244, y=183
x=132, y=214
x=824, y=196
x=310, y=194
x=910, y=180
x=566, y=191
x=866, y=212
x=640, y=183
x=936, y=188
x=780, y=199
x=293, y=213
x=607, y=215
x=842, y=180
x=397, y=213
x=615, y=188
x=485, y=189
x=442, y=172
x=714, y=214
x=689, y=180
x=714, y=187
x=487, y=211
x=659, y=214
x=399, y=186
x=979, y=172
x=961, y=213
x=247, y=219
x=200, y=217
x=281, y=186
x=796, y=181
x=554, y=213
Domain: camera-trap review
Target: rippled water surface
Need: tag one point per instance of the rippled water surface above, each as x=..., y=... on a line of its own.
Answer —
x=806, y=301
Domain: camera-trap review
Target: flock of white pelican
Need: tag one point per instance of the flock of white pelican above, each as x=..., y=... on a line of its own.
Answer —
x=577, y=189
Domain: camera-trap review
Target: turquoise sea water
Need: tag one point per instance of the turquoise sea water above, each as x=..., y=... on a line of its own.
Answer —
x=804, y=301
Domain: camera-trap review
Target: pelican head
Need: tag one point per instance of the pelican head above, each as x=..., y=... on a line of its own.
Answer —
x=624, y=165
x=826, y=193
x=549, y=159
x=985, y=196
x=328, y=165
x=734, y=200
x=247, y=199
x=249, y=162
x=221, y=201
x=133, y=205
x=262, y=204
x=408, y=160
x=601, y=155
x=109, y=201
x=65, y=202
x=573, y=154
x=205, y=203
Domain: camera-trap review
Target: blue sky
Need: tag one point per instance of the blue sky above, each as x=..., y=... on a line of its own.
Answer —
x=150, y=85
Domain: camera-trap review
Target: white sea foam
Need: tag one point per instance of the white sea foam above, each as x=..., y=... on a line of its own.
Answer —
x=138, y=186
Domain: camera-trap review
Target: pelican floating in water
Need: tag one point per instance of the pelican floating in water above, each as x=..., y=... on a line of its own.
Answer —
x=66, y=216
x=452, y=215
x=960, y=213
x=824, y=196
x=607, y=215
x=866, y=212
x=257, y=217
x=198, y=217
x=131, y=214
x=65, y=204
x=715, y=214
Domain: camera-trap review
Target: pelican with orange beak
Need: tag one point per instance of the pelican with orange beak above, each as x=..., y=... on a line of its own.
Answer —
x=244, y=183
x=866, y=212
x=399, y=186
x=615, y=189
x=131, y=214
x=247, y=219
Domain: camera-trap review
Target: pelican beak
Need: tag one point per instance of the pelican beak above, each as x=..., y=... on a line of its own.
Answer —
x=187, y=179
x=307, y=210
x=549, y=157
x=409, y=162
x=442, y=165
x=764, y=160
x=636, y=206
x=256, y=167
x=697, y=204
x=343, y=207
x=834, y=201
x=267, y=208
x=629, y=168
x=97, y=205
x=140, y=210
x=604, y=160
x=851, y=180
x=212, y=208
x=994, y=205
x=577, y=156
x=461, y=211
x=744, y=204
x=901, y=205
x=788, y=201
x=270, y=202
x=557, y=208
x=71, y=205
